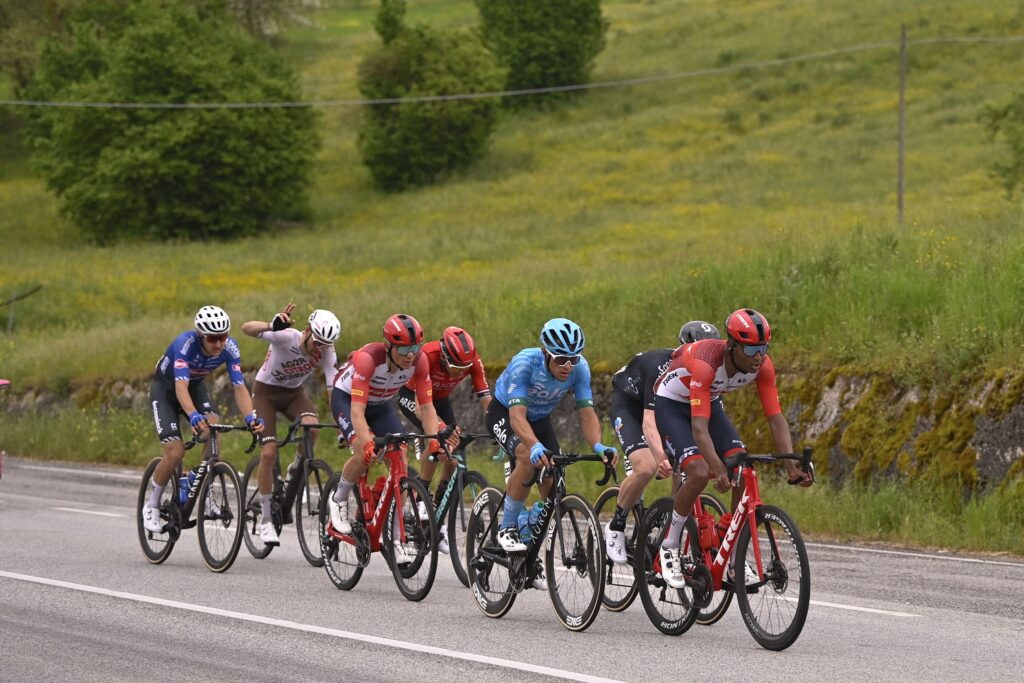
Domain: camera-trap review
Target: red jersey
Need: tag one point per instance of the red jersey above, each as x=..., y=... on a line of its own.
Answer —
x=444, y=384
x=365, y=376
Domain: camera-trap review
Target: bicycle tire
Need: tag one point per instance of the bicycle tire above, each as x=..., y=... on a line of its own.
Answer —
x=459, y=509
x=220, y=524
x=157, y=546
x=574, y=564
x=722, y=599
x=776, y=613
x=307, y=510
x=415, y=578
x=669, y=609
x=489, y=580
x=252, y=507
x=620, y=587
x=343, y=561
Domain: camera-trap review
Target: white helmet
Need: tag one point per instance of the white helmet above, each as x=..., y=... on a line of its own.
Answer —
x=325, y=326
x=212, y=320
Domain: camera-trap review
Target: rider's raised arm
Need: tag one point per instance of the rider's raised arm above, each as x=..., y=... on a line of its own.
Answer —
x=329, y=364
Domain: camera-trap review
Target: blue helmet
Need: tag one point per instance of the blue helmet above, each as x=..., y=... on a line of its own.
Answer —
x=562, y=337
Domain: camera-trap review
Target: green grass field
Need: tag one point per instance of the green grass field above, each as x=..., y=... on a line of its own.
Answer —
x=630, y=209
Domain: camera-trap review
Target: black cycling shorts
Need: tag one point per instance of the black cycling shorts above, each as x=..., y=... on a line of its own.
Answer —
x=500, y=425
x=167, y=410
x=676, y=430
x=627, y=416
x=380, y=417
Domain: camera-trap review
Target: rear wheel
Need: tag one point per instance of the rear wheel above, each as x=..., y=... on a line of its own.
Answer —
x=486, y=563
x=671, y=610
x=344, y=557
x=414, y=575
x=775, y=607
x=220, y=517
x=157, y=546
x=459, y=509
x=252, y=512
x=574, y=563
x=619, y=580
x=307, y=510
x=721, y=600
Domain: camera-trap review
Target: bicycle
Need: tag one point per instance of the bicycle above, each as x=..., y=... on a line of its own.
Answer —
x=215, y=494
x=301, y=491
x=346, y=555
x=574, y=550
x=762, y=536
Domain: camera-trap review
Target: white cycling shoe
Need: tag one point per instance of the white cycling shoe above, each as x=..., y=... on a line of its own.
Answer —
x=402, y=556
x=615, y=545
x=268, y=534
x=442, y=543
x=151, y=519
x=339, y=516
x=421, y=510
x=508, y=539
x=672, y=567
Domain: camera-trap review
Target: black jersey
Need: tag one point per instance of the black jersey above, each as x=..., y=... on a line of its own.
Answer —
x=636, y=379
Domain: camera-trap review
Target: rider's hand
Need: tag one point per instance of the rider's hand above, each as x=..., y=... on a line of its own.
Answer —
x=798, y=476
x=601, y=450
x=539, y=455
x=197, y=421
x=368, y=451
x=664, y=469
x=254, y=423
x=435, y=452
x=283, y=319
x=720, y=475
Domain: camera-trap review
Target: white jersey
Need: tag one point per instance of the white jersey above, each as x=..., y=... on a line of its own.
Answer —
x=287, y=366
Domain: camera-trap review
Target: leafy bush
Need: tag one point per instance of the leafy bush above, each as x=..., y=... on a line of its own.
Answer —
x=543, y=43
x=415, y=143
x=1007, y=120
x=169, y=172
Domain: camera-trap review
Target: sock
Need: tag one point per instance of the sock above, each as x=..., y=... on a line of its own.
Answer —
x=154, y=495
x=676, y=530
x=441, y=486
x=619, y=519
x=510, y=520
x=344, y=488
x=265, y=499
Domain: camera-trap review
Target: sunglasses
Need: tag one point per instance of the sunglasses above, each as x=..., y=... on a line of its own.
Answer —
x=752, y=350
x=562, y=361
x=406, y=350
x=453, y=366
x=215, y=338
x=321, y=344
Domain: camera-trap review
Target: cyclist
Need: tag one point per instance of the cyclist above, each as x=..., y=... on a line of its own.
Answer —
x=632, y=415
x=525, y=394
x=293, y=356
x=177, y=389
x=452, y=358
x=695, y=429
x=360, y=403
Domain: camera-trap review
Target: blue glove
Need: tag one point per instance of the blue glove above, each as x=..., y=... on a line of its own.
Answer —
x=600, y=448
x=194, y=418
x=253, y=421
x=537, y=451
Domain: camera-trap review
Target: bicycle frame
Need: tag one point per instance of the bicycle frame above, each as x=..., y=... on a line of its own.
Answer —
x=745, y=513
x=202, y=469
x=289, y=494
x=375, y=515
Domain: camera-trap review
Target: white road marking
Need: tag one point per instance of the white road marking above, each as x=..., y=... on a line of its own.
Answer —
x=310, y=628
x=927, y=556
x=85, y=472
x=872, y=610
x=88, y=512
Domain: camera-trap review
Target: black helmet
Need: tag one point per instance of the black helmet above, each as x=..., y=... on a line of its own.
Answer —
x=695, y=330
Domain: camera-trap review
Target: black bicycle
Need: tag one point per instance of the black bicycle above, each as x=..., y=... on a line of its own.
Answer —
x=215, y=493
x=296, y=498
x=573, y=550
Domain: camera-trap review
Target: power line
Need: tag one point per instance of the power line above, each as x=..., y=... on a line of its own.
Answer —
x=642, y=80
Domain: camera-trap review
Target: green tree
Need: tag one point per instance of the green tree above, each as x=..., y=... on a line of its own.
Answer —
x=168, y=173
x=415, y=143
x=1006, y=121
x=543, y=43
x=388, y=22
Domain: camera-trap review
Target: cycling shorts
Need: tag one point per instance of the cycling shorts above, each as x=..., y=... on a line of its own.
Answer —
x=500, y=425
x=443, y=406
x=380, y=417
x=167, y=410
x=673, y=418
x=270, y=399
x=627, y=416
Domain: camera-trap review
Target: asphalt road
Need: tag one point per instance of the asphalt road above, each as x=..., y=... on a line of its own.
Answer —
x=79, y=602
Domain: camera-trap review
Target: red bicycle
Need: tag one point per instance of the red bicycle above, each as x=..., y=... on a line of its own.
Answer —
x=384, y=518
x=769, y=553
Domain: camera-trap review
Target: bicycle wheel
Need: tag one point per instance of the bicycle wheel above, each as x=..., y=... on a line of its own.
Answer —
x=776, y=612
x=157, y=546
x=219, y=517
x=414, y=577
x=619, y=580
x=486, y=562
x=344, y=559
x=574, y=563
x=252, y=509
x=307, y=510
x=671, y=610
x=459, y=508
x=721, y=600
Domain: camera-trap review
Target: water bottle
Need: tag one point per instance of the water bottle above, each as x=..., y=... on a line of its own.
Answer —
x=535, y=516
x=184, y=484
x=525, y=531
x=723, y=524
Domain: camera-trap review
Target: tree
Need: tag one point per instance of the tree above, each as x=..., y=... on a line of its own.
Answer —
x=543, y=43
x=168, y=173
x=1006, y=120
x=415, y=143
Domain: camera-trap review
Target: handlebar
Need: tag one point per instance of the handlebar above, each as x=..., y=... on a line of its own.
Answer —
x=561, y=460
x=218, y=427
x=803, y=459
x=298, y=424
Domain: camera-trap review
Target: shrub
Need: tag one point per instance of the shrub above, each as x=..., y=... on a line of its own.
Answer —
x=1006, y=120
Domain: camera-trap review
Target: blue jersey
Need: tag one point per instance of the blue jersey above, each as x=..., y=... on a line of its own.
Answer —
x=527, y=382
x=185, y=361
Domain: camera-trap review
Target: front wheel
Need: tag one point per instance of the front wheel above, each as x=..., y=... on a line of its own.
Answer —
x=574, y=563
x=345, y=557
x=413, y=558
x=307, y=510
x=252, y=512
x=671, y=610
x=459, y=508
x=774, y=607
x=619, y=580
x=220, y=517
x=157, y=546
x=487, y=565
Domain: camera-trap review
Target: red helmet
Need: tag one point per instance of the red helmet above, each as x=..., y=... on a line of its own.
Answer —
x=403, y=330
x=748, y=327
x=457, y=347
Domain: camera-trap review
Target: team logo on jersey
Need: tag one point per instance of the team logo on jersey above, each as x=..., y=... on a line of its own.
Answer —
x=181, y=364
x=358, y=392
x=236, y=367
x=695, y=383
x=694, y=401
